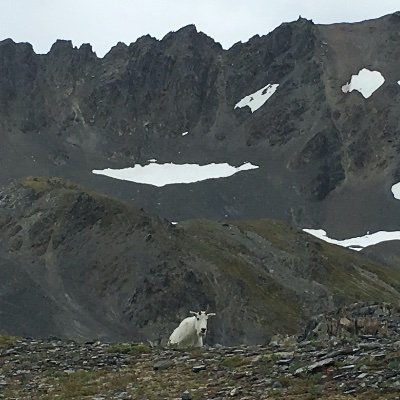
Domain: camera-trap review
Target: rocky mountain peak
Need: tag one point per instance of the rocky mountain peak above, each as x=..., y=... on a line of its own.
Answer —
x=86, y=48
x=188, y=32
x=190, y=39
x=7, y=42
x=10, y=49
x=61, y=46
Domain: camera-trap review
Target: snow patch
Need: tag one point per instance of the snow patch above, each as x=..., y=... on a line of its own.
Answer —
x=169, y=173
x=396, y=191
x=365, y=82
x=356, y=243
x=257, y=99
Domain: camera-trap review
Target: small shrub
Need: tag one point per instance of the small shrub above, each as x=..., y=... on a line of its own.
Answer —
x=233, y=362
x=7, y=341
x=295, y=365
x=196, y=353
x=315, y=391
x=394, y=364
x=265, y=363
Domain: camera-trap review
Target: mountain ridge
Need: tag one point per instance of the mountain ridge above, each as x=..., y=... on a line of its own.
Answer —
x=68, y=112
x=192, y=27
x=324, y=157
x=80, y=265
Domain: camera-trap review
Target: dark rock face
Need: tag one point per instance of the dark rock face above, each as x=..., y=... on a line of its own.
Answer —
x=387, y=253
x=319, y=150
x=359, y=319
x=79, y=265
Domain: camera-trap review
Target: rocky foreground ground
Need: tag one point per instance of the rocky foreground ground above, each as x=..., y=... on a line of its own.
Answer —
x=351, y=365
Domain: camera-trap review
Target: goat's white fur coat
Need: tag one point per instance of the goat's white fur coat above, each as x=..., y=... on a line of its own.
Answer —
x=190, y=331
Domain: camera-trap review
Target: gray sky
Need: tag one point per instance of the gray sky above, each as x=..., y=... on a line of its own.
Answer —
x=103, y=23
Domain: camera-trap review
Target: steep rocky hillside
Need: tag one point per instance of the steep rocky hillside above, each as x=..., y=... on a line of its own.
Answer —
x=80, y=265
x=386, y=253
x=326, y=158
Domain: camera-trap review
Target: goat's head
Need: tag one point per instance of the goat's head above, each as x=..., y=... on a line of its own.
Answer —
x=201, y=321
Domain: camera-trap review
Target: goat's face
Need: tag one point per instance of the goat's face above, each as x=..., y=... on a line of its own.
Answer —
x=201, y=322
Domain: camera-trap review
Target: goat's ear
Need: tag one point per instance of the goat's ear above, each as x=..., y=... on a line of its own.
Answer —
x=211, y=314
x=193, y=312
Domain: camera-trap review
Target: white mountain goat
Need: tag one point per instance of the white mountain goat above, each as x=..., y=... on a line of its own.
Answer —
x=191, y=330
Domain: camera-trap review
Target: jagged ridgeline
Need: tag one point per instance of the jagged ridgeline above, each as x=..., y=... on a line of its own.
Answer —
x=77, y=264
x=313, y=108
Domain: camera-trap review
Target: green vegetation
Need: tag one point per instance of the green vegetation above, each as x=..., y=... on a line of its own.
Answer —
x=129, y=348
x=265, y=363
x=82, y=383
x=354, y=277
x=234, y=362
x=197, y=352
x=78, y=384
x=347, y=275
x=394, y=364
x=278, y=233
x=207, y=240
x=140, y=382
x=64, y=193
x=40, y=184
x=7, y=341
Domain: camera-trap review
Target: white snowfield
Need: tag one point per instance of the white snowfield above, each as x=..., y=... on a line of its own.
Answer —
x=169, y=173
x=366, y=82
x=396, y=191
x=257, y=99
x=357, y=243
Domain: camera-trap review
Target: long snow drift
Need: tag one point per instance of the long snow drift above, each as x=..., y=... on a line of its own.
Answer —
x=169, y=173
x=366, y=82
x=357, y=243
x=257, y=99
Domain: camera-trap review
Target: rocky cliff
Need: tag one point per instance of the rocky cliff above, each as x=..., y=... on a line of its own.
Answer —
x=326, y=158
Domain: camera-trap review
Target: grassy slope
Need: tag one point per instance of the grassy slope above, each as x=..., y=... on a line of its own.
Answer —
x=348, y=276
x=241, y=252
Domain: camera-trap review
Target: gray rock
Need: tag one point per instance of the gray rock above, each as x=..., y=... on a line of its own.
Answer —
x=198, y=368
x=277, y=385
x=186, y=395
x=163, y=364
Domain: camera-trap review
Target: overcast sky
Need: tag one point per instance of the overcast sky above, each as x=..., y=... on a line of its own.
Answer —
x=103, y=23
